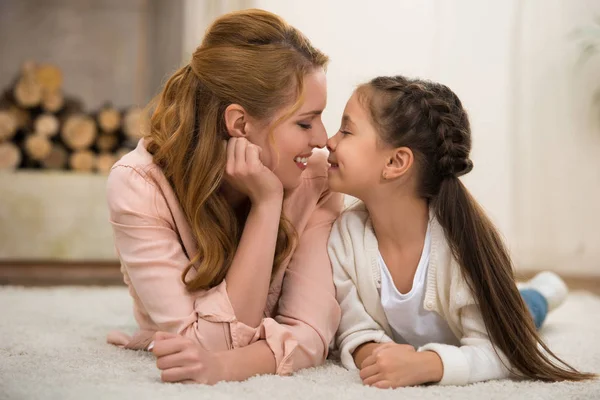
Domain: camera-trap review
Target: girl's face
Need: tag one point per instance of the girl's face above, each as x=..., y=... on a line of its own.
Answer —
x=286, y=152
x=357, y=159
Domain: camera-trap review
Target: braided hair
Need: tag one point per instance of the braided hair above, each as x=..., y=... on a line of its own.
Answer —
x=429, y=119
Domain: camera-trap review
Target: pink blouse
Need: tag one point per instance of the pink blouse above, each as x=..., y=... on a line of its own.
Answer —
x=154, y=242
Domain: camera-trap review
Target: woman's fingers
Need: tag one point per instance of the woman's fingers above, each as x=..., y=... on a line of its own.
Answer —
x=168, y=346
x=171, y=361
x=230, y=165
x=165, y=335
x=253, y=156
x=240, y=154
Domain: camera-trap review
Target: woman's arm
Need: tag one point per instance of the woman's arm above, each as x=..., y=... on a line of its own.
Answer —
x=152, y=255
x=249, y=276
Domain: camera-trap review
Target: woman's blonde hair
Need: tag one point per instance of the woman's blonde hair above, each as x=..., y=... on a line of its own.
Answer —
x=252, y=58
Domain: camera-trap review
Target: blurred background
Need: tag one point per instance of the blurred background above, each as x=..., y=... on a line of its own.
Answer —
x=75, y=73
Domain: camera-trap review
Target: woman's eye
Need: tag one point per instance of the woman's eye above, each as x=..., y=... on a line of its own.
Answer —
x=304, y=126
x=345, y=132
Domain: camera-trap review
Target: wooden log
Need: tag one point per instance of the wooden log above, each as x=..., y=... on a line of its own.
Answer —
x=104, y=162
x=10, y=156
x=79, y=132
x=57, y=159
x=135, y=123
x=22, y=116
x=46, y=125
x=109, y=119
x=82, y=161
x=72, y=106
x=27, y=92
x=49, y=77
x=53, y=101
x=37, y=147
x=8, y=125
x=106, y=142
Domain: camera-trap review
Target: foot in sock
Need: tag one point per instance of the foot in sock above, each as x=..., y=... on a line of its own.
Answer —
x=549, y=285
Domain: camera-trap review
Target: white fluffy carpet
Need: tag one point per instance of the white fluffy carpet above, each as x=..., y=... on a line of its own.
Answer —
x=52, y=347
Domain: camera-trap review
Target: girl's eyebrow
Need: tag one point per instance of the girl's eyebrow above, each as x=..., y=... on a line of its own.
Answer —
x=347, y=120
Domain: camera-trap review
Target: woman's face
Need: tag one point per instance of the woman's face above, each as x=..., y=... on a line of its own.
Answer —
x=286, y=152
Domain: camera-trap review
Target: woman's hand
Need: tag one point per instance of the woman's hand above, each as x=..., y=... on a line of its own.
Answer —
x=182, y=360
x=246, y=172
x=392, y=365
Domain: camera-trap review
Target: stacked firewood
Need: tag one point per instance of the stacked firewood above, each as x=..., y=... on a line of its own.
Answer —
x=41, y=127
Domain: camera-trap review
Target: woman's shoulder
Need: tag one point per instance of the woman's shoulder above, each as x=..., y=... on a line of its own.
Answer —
x=134, y=180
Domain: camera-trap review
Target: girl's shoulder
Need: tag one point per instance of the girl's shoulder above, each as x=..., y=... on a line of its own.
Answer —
x=352, y=226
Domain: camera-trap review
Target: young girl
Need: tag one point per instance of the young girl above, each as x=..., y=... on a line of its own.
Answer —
x=417, y=264
x=221, y=214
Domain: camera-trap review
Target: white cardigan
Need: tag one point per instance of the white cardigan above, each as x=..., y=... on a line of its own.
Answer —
x=353, y=250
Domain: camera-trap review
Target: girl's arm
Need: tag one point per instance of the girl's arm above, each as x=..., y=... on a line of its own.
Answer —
x=357, y=327
x=476, y=359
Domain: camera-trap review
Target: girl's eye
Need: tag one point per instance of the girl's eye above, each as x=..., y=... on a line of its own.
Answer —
x=345, y=132
x=305, y=126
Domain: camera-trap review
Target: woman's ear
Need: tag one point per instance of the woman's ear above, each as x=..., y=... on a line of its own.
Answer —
x=235, y=120
x=398, y=163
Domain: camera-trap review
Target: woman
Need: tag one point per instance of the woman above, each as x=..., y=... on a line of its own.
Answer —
x=221, y=214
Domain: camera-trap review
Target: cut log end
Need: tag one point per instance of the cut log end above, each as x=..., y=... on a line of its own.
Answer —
x=53, y=101
x=104, y=162
x=135, y=123
x=109, y=119
x=37, y=147
x=82, y=161
x=106, y=142
x=79, y=132
x=10, y=156
x=49, y=77
x=8, y=125
x=57, y=159
x=46, y=125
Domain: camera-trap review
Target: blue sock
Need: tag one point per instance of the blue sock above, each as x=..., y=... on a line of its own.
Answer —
x=537, y=305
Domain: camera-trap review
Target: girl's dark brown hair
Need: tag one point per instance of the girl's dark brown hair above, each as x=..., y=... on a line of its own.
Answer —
x=429, y=119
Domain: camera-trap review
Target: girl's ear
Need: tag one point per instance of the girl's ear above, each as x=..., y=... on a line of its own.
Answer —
x=398, y=163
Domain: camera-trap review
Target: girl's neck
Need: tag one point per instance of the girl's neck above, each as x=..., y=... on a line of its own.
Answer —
x=400, y=221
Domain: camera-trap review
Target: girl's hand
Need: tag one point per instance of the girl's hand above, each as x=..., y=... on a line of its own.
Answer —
x=182, y=360
x=392, y=365
x=246, y=172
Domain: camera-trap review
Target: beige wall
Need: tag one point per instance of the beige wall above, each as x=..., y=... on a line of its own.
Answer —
x=536, y=141
x=536, y=135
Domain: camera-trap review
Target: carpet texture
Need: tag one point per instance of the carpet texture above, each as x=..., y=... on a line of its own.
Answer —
x=52, y=346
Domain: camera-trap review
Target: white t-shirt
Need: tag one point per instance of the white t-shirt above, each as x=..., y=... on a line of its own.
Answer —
x=409, y=321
